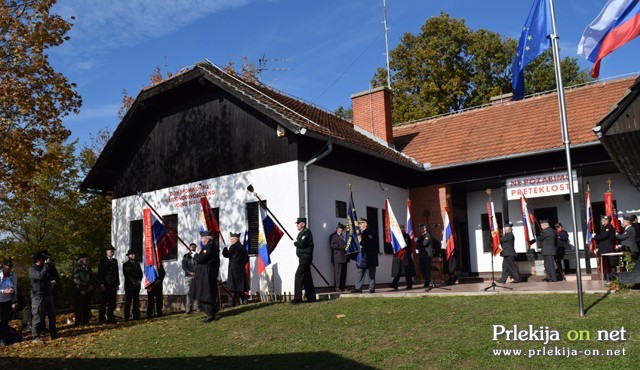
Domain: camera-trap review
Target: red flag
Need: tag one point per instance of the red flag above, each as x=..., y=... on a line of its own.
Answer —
x=449, y=241
x=210, y=218
x=611, y=211
x=493, y=227
x=387, y=228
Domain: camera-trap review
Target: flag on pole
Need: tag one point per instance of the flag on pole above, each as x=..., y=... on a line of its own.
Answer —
x=410, y=222
x=528, y=222
x=617, y=24
x=534, y=40
x=208, y=220
x=397, y=240
x=450, y=245
x=590, y=225
x=610, y=211
x=352, y=233
x=247, y=266
x=493, y=227
x=158, y=242
x=269, y=234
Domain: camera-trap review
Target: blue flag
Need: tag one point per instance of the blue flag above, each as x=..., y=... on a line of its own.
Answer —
x=534, y=40
x=352, y=233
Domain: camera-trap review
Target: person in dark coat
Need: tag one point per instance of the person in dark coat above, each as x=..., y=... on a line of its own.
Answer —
x=8, y=300
x=109, y=280
x=367, y=258
x=236, y=276
x=83, y=290
x=154, y=293
x=508, y=254
x=636, y=227
x=189, y=269
x=402, y=264
x=548, y=242
x=604, y=242
x=132, y=273
x=339, y=257
x=628, y=236
x=207, y=268
x=424, y=249
x=563, y=246
x=41, y=297
x=304, y=251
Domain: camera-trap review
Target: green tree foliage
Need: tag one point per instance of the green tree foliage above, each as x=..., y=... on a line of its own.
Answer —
x=448, y=67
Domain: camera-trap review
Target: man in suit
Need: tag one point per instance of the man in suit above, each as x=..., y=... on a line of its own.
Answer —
x=548, y=242
x=508, y=254
x=237, y=282
x=189, y=268
x=339, y=257
x=604, y=242
x=304, y=251
x=628, y=236
x=109, y=280
x=83, y=281
x=424, y=249
x=207, y=267
x=402, y=263
x=367, y=259
x=132, y=281
x=636, y=227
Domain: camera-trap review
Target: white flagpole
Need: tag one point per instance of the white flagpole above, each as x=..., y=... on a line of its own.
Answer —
x=565, y=139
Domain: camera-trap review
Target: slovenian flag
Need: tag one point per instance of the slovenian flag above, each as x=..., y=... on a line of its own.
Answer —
x=590, y=226
x=158, y=242
x=493, y=227
x=269, y=234
x=528, y=222
x=449, y=243
x=395, y=234
x=352, y=233
x=617, y=24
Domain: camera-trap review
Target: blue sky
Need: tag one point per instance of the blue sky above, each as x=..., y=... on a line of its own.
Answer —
x=331, y=47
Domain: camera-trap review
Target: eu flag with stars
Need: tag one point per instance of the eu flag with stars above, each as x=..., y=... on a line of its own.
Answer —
x=534, y=40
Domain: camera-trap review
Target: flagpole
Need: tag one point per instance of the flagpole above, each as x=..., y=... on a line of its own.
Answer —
x=565, y=139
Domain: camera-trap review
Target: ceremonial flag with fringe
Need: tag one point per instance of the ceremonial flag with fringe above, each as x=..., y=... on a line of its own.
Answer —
x=493, y=227
x=352, y=233
x=158, y=242
x=449, y=241
x=208, y=220
x=395, y=234
x=528, y=222
x=610, y=211
x=590, y=225
x=269, y=234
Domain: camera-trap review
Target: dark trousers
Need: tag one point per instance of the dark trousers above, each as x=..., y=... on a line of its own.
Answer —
x=396, y=279
x=6, y=314
x=509, y=268
x=209, y=308
x=340, y=275
x=82, y=308
x=550, y=268
x=154, y=299
x=40, y=307
x=425, y=263
x=107, y=303
x=303, y=279
x=132, y=301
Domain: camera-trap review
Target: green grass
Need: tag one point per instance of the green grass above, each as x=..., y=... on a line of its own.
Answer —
x=421, y=332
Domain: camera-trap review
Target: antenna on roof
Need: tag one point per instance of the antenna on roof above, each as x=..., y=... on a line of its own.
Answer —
x=262, y=62
x=386, y=42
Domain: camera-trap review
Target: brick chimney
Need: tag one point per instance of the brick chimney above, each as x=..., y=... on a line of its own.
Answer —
x=372, y=112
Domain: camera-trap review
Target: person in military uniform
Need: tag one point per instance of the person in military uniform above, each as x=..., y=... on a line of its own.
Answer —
x=508, y=254
x=548, y=242
x=189, y=269
x=604, y=244
x=41, y=297
x=402, y=264
x=339, y=257
x=207, y=266
x=132, y=273
x=237, y=282
x=83, y=290
x=154, y=293
x=109, y=280
x=367, y=258
x=424, y=249
x=304, y=251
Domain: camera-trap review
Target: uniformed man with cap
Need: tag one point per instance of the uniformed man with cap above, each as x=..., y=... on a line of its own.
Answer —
x=604, y=244
x=508, y=254
x=339, y=257
x=83, y=290
x=548, y=242
x=41, y=297
x=237, y=282
x=109, y=280
x=132, y=273
x=628, y=236
x=304, y=251
x=424, y=249
x=367, y=258
x=206, y=286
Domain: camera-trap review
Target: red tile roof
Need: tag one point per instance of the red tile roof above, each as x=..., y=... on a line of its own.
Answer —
x=506, y=129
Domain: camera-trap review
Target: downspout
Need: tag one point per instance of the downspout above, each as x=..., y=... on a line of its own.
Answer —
x=313, y=160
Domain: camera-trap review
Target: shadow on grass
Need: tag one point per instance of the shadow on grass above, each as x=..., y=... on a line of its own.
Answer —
x=607, y=294
x=309, y=360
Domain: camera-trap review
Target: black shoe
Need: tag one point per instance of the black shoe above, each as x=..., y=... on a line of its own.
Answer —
x=426, y=284
x=372, y=290
x=394, y=286
x=409, y=287
x=356, y=290
x=207, y=319
x=545, y=279
x=516, y=281
x=296, y=301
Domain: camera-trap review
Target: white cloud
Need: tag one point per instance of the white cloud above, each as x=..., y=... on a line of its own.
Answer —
x=97, y=112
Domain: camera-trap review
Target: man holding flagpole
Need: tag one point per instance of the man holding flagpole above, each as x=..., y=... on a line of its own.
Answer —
x=207, y=266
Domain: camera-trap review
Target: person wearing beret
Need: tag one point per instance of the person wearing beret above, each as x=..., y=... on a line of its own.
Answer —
x=132, y=273
x=8, y=298
x=628, y=236
x=237, y=282
x=604, y=244
x=508, y=254
x=83, y=290
x=367, y=258
x=189, y=269
x=207, y=268
x=41, y=297
x=548, y=242
x=304, y=251
x=109, y=280
x=339, y=257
